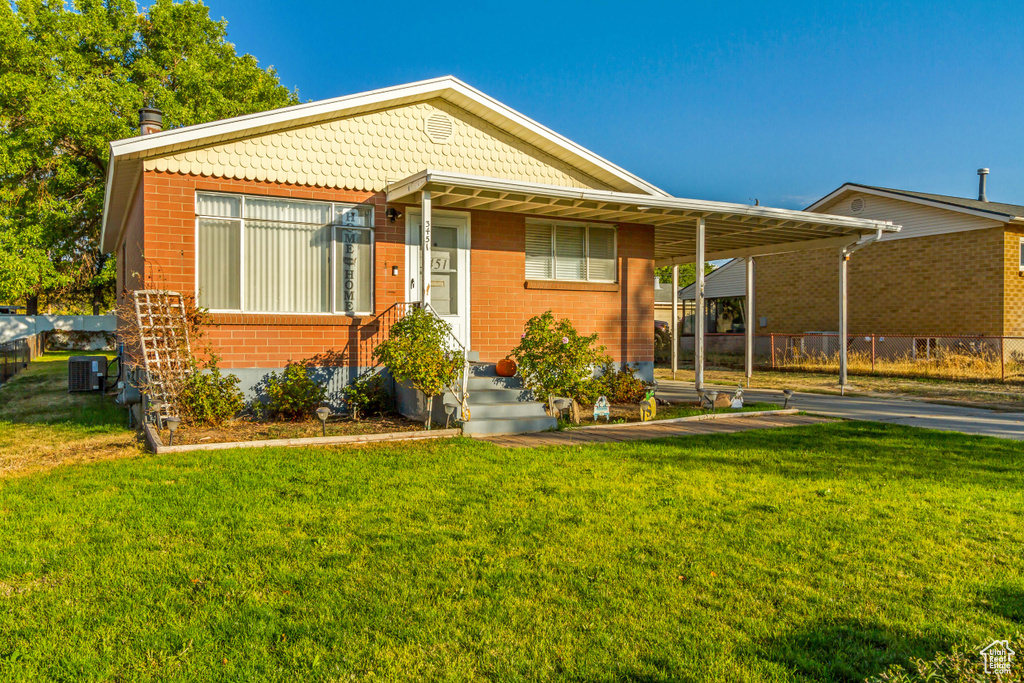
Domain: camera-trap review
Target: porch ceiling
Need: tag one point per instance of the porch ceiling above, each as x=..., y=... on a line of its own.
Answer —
x=732, y=230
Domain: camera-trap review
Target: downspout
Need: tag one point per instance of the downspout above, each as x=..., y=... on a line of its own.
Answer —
x=844, y=257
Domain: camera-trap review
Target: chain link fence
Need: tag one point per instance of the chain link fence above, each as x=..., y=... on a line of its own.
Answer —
x=892, y=355
x=953, y=358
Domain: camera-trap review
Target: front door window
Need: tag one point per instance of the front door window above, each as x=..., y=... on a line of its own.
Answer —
x=444, y=274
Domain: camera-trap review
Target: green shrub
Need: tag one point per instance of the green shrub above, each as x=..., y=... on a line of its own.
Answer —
x=957, y=666
x=294, y=394
x=618, y=386
x=417, y=351
x=367, y=395
x=209, y=398
x=554, y=359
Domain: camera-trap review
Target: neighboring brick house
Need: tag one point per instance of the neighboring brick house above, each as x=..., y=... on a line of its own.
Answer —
x=300, y=229
x=955, y=269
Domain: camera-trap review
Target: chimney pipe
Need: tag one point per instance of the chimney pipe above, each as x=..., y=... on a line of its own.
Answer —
x=982, y=173
x=151, y=120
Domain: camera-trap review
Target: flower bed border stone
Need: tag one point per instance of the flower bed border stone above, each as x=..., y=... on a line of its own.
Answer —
x=157, y=446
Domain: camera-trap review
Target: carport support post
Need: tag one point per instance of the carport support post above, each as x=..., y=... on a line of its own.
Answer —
x=698, y=316
x=844, y=259
x=425, y=232
x=748, y=327
x=675, y=319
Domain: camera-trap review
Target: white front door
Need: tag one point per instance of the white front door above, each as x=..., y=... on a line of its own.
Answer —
x=449, y=265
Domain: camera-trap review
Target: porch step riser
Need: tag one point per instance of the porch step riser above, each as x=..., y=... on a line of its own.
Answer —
x=485, y=383
x=487, y=427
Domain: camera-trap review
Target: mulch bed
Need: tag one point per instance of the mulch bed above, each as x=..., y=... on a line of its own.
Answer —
x=247, y=429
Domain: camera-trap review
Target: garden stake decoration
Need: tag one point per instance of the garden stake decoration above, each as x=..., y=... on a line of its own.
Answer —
x=602, y=409
x=648, y=407
x=737, y=398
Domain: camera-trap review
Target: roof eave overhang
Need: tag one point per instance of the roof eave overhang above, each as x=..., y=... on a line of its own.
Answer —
x=865, y=189
x=738, y=230
x=447, y=87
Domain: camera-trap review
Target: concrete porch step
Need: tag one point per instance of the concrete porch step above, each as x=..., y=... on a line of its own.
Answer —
x=485, y=383
x=517, y=425
x=489, y=411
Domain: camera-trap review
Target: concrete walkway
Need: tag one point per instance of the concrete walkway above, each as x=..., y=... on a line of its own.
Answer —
x=898, y=411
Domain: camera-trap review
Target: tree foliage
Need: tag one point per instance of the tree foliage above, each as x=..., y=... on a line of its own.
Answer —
x=417, y=351
x=72, y=78
x=687, y=274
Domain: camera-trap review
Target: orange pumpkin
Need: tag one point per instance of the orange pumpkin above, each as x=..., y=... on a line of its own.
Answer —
x=506, y=368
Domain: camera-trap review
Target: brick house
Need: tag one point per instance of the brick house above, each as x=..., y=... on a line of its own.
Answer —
x=301, y=229
x=955, y=269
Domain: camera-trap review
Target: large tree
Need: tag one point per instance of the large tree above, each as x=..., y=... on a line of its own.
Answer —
x=72, y=78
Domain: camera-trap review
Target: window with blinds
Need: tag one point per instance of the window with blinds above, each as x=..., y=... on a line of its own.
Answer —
x=556, y=251
x=267, y=255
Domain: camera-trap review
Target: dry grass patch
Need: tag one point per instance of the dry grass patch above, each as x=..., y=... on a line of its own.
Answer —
x=42, y=425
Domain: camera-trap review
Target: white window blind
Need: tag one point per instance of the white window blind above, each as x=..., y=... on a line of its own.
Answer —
x=269, y=255
x=570, y=252
x=602, y=254
x=538, y=252
x=286, y=268
x=218, y=262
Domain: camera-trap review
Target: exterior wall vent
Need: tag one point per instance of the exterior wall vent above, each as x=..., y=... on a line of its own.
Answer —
x=857, y=205
x=439, y=127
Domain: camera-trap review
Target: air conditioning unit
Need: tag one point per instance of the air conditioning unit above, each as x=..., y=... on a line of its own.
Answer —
x=87, y=373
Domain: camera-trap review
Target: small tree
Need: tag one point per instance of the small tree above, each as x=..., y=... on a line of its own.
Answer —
x=554, y=358
x=416, y=351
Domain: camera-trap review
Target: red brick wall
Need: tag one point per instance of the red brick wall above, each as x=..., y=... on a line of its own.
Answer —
x=500, y=302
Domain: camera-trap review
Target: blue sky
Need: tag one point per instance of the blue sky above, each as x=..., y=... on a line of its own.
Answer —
x=782, y=101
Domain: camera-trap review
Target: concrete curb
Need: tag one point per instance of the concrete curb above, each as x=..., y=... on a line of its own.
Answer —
x=157, y=446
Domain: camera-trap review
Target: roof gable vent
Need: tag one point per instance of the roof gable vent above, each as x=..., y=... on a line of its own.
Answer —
x=439, y=127
x=857, y=205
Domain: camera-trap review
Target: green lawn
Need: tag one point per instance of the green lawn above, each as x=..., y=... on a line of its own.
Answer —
x=817, y=553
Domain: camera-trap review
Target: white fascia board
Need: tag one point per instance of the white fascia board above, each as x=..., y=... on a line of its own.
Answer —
x=444, y=87
x=396, y=191
x=853, y=187
x=766, y=250
x=106, y=200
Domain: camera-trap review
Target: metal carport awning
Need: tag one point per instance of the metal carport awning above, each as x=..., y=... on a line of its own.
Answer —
x=685, y=230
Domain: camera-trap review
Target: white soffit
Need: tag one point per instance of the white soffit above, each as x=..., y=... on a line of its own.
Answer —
x=732, y=230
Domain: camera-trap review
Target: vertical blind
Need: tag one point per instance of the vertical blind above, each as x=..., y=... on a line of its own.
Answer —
x=270, y=255
x=286, y=268
x=219, y=258
x=570, y=252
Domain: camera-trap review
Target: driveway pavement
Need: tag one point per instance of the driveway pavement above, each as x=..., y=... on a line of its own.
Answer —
x=899, y=411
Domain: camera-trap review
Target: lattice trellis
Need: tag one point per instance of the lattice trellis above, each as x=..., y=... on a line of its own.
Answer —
x=164, y=342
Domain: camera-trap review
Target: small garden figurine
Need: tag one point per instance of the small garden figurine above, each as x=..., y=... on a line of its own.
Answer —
x=601, y=409
x=648, y=407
